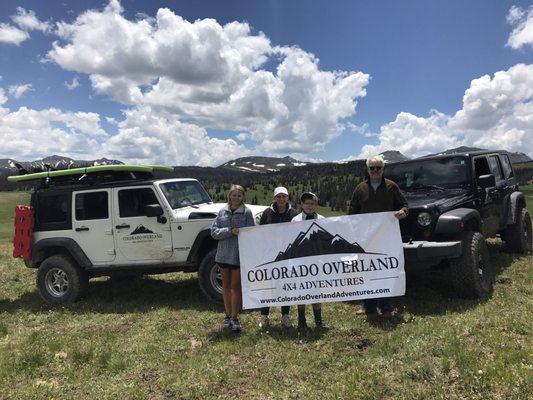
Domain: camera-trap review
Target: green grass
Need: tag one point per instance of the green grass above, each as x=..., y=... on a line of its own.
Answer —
x=158, y=338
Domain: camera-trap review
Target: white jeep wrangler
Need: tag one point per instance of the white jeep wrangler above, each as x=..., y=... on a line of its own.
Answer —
x=120, y=223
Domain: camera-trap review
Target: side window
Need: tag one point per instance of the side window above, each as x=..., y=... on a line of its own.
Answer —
x=496, y=168
x=481, y=166
x=53, y=208
x=507, y=168
x=92, y=205
x=131, y=202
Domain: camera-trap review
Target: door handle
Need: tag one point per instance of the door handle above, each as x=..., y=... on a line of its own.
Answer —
x=123, y=226
x=81, y=229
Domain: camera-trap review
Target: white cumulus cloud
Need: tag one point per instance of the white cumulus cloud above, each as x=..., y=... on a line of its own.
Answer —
x=27, y=20
x=522, y=20
x=497, y=113
x=12, y=35
x=73, y=84
x=212, y=76
x=18, y=90
x=27, y=134
x=145, y=137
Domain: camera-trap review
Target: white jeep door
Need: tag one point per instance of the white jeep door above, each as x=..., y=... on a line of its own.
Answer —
x=92, y=226
x=138, y=237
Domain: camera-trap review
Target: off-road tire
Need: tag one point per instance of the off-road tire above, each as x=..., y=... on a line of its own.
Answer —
x=61, y=281
x=518, y=236
x=209, y=277
x=471, y=273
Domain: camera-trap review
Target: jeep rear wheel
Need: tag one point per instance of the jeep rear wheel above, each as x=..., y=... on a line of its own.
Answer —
x=210, y=278
x=518, y=237
x=61, y=281
x=471, y=273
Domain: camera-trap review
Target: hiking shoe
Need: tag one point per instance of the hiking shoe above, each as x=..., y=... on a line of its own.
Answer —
x=236, y=326
x=226, y=323
x=286, y=321
x=386, y=314
x=321, y=325
x=362, y=311
x=264, y=322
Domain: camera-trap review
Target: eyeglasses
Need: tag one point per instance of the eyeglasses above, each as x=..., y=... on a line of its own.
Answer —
x=375, y=168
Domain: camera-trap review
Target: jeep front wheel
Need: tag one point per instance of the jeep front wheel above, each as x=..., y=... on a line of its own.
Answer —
x=210, y=278
x=61, y=281
x=518, y=236
x=471, y=273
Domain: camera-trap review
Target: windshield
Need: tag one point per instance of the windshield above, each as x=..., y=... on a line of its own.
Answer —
x=184, y=193
x=430, y=174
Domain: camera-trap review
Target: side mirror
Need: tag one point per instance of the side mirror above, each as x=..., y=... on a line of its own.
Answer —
x=486, y=181
x=153, y=210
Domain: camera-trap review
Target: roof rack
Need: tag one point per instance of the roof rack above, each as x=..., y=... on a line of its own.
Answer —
x=91, y=175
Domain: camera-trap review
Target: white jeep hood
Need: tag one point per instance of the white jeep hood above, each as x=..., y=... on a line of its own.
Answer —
x=213, y=208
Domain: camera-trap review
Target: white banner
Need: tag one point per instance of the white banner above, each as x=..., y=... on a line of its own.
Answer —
x=332, y=259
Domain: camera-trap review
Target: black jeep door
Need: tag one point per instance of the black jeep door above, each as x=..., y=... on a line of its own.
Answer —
x=487, y=198
x=499, y=192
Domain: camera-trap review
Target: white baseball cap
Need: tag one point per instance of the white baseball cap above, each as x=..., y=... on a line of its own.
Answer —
x=280, y=190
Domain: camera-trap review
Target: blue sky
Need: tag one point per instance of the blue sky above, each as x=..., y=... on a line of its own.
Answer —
x=415, y=60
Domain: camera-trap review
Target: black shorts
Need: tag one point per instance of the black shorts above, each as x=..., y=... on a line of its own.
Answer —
x=229, y=266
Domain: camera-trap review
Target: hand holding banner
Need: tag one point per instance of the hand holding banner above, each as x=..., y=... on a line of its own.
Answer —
x=333, y=259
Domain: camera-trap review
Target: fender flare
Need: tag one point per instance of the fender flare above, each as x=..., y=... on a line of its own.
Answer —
x=459, y=220
x=38, y=253
x=516, y=200
x=199, y=242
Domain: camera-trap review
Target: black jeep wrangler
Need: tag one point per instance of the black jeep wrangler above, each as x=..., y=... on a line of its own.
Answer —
x=455, y=202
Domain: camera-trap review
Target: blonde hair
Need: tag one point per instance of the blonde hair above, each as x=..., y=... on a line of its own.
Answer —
x=240, y=189
x=378, y=158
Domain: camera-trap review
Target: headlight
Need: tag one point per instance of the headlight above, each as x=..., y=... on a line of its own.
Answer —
x=424, y=219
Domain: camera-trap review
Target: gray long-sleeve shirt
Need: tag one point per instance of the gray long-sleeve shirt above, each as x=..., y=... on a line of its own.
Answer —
x=228, y=245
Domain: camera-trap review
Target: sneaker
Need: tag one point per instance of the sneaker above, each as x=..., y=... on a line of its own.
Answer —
x=226, y=323
x=362, y=312
x=236, y=326
x=386, y=314
x=264, y=322
x=321, y=325
x=286, y=321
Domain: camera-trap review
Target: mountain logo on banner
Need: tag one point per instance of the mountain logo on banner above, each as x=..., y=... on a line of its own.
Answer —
x=317, y=241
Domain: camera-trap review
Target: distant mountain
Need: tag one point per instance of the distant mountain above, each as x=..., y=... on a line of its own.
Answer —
x=316, y=240
x=393, y=156
x=54, y=162
x=514, y=157
x=262, y=164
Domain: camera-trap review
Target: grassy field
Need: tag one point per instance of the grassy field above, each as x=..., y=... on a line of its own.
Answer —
x=158, y=338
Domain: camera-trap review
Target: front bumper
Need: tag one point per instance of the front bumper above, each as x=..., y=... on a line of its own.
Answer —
x=431, y=253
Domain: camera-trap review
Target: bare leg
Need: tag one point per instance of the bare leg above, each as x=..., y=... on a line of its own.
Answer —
x=226, y=289
x=236, y=294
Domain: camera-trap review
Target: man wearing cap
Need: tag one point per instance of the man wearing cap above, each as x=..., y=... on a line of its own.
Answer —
x=377, y=194
x=309, y=202
x=280, y=211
